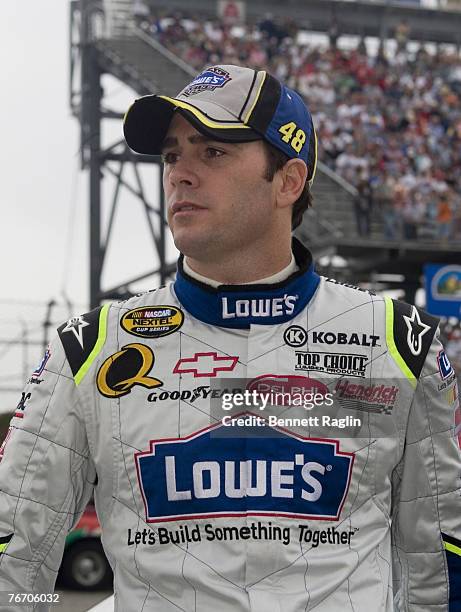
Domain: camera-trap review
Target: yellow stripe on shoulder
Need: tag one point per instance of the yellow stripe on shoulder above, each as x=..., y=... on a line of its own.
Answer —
x=102, y=335
x=391, y=343
x=452, y=548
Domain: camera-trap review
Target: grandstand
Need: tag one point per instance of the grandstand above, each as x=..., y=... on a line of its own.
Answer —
x=387, y=191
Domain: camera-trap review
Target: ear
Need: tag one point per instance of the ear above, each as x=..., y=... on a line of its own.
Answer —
x=292, y=178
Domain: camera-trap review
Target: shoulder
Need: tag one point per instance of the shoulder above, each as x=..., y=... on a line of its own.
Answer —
x=349, y=292
x=84, y=336
x=411, y=331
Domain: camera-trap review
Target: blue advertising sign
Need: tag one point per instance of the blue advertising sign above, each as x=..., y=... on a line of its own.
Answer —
x=443, y=289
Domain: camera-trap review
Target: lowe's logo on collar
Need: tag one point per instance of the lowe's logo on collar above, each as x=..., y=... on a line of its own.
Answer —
x=206, y=475
x=264, y=307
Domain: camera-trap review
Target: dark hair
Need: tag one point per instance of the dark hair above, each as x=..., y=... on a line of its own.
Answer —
x=276, y=159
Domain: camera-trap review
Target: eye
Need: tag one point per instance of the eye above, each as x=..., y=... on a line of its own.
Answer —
x=169, y=157
x=212, y=152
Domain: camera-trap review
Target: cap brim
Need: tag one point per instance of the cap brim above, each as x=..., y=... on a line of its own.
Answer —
x=147, y=121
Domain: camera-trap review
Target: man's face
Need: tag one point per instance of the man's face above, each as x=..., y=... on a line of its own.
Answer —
x=218, y=201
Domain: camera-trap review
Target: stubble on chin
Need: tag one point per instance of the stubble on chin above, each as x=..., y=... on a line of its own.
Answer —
x=195, y=247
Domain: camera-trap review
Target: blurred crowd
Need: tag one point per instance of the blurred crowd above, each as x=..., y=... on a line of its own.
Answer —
x=388, y=123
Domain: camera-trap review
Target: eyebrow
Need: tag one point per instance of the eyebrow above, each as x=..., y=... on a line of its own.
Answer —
x=171, y=141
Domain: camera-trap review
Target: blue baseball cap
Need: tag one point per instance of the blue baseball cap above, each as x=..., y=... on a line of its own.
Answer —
x=230, y=104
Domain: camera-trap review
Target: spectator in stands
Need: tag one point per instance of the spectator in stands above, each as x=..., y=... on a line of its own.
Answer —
x=333, y=32
x=363, y=203
x=413, y=213
x=383, y=196
x=444, y=216
x=398, y=112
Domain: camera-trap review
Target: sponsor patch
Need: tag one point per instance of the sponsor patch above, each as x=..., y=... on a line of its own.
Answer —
x=357, y=339
x=126, y=369
x=336, y=282
x=190, y=395
x=22, y=404
x=258, y=308
x=208, y=80
x=368, y=398
x=332, y=363
x=205, y=364
x=280, y=386
x=254, y=530
x=152, y=321
x=295, y=336
x=41, y=366
x=445, y=367
x=205, y=475
x=447, y=383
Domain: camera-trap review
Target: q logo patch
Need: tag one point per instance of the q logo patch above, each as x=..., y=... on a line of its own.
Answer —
x=123, y=370
x=152, y=321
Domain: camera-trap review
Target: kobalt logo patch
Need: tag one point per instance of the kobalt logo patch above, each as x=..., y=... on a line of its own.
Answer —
x=358, y=339
x=332, y=363
x=263, y=307
x=152, y=321
x=125, y=369
x=295, y=336
x=205, y=364
x=206, y=475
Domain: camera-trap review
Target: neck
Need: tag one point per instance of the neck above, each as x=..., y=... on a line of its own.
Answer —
x=240, y=306
x=243, y=267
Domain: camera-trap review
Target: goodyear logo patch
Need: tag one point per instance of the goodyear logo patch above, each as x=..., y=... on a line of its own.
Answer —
x=206, y=475
x=152, y=321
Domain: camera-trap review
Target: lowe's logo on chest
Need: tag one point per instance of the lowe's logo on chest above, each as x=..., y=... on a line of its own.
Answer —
x=262, y=307
x=207, y=475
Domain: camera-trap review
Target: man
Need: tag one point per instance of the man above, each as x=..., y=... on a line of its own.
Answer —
x=334, y=484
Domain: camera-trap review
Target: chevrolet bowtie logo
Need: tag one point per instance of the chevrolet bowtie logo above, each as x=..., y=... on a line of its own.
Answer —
x=205, y=364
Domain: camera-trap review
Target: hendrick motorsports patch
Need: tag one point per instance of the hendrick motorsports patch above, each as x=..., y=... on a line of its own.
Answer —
x=152, y=321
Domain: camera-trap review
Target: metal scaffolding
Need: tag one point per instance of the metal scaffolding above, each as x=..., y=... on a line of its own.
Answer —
x=88, y=63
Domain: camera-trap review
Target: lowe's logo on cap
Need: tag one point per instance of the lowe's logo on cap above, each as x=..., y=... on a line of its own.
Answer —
x=209, y=80
x=206, y=475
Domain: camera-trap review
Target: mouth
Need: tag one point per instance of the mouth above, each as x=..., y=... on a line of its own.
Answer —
x=185, y=207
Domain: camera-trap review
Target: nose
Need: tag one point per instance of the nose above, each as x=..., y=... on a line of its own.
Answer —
x=183, y=172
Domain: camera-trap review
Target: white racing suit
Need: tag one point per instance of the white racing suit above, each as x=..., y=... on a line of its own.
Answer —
x=349, y=500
